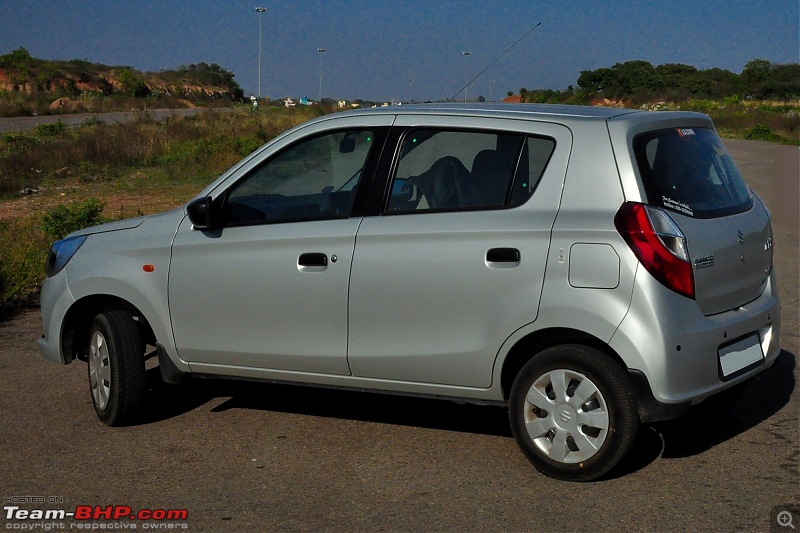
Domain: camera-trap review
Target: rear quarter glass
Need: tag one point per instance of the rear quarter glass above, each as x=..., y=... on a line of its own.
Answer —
x=689, y=171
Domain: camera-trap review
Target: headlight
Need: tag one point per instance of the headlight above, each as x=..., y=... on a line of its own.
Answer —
x=60, y=254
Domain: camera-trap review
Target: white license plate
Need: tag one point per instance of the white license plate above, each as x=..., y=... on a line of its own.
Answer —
x=740, y=354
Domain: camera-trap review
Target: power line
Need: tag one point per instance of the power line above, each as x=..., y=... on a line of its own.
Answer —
x=495, y=61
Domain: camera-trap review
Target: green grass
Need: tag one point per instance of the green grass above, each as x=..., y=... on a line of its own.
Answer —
x=25, y=246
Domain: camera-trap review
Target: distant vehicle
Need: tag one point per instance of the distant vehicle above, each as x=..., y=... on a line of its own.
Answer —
x=590, y=268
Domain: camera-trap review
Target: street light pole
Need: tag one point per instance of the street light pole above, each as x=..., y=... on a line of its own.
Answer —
x=491, y=89
x=321, y=51
x=466, y=54
x=260, y=11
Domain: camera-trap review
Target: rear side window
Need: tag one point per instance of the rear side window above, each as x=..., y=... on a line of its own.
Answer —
x=464, y=170
x=689, y=170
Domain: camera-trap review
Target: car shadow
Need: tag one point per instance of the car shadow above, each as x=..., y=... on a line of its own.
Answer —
x=693, y=434
x=763, y=396
x=168, y=401
x=700, y=429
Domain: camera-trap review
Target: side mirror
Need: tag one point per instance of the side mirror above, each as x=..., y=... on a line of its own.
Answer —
x=200, y=213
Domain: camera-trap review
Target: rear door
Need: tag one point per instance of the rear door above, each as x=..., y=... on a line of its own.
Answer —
x=689, y=172
x=456, y=262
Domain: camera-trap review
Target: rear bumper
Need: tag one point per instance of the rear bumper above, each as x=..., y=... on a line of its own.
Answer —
x=672, y=348
x=650, y=409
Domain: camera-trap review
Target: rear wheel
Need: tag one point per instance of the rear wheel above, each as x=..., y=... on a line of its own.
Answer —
x=116, y=367
x=573, y=412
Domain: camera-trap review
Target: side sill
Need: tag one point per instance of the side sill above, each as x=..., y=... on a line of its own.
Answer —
x=350, y=388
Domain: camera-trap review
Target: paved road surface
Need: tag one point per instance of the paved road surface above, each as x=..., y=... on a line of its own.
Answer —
x=246, y=457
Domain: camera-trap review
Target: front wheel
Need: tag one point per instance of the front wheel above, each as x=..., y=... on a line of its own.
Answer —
x=573, y=412
x=116, y=367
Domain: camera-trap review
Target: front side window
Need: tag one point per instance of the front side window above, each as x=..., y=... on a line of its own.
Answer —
x=689, y=170
x=314, y=179
x=454, y=170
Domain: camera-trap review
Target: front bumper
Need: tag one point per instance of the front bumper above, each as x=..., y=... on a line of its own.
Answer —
x=56, y=300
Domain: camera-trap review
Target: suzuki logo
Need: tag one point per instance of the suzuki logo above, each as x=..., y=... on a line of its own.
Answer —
x=565, y=415
x=741, y=237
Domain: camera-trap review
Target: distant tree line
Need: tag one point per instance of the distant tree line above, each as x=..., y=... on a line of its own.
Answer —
x=641, y=81
x=32, y=74
x=203, y=73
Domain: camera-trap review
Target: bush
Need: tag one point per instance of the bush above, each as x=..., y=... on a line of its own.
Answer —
x=21, y=264
x=247, y=145
x=760, y=132
x=62, y=220
x=50, y=130
x=3, y=290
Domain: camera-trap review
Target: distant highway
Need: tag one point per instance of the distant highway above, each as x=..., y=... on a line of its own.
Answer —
x=20, y=124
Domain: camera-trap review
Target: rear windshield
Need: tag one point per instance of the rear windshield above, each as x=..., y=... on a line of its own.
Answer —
x=689, y=170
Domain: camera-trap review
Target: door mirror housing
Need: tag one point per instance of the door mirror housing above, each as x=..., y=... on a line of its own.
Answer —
x=200, y=212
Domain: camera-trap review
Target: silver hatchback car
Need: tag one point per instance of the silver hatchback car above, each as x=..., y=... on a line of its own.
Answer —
x=592, y=269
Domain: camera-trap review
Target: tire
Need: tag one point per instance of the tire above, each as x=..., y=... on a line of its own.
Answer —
x=587, y=433
x=116, y=367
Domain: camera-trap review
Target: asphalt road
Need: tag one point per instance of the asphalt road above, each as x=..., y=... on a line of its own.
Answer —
x=252, y=457
x=20, y=124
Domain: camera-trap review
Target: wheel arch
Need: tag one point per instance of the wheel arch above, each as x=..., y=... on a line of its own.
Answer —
x=533, y=343
x=79, y=317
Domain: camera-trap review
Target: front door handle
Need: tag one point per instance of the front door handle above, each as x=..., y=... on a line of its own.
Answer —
x=313, y=260
x=503, y=255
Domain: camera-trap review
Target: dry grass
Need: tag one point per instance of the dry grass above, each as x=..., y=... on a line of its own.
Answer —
x=140, y=167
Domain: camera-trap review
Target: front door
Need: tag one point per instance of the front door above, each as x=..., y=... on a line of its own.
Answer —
x=269, y=289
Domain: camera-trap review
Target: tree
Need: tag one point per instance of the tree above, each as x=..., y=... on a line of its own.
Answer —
x=132, y=84
x=756, y=71
x=597, y=81
x=17, y=59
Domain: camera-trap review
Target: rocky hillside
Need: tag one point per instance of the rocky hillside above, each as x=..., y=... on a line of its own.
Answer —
x=60, y=81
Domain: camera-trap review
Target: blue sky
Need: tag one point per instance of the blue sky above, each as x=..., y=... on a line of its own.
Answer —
x=374, y=48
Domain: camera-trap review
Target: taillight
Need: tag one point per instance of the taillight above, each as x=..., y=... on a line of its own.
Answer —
x=659, y=244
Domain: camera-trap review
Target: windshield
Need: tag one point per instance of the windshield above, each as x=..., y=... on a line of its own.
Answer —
x=689, y=170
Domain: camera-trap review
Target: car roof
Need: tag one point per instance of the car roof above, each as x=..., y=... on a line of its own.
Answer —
x=545, y=112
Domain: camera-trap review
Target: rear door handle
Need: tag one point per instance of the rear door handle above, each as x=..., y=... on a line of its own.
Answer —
x=503, y=255
x=313, y=260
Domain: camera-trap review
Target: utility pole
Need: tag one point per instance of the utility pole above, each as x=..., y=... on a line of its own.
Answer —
x=321, y=51
x=466, y=55
x=260, y=11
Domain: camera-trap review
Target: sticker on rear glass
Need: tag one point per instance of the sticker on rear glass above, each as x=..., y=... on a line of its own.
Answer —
x=685, y=132
x=675, y=205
